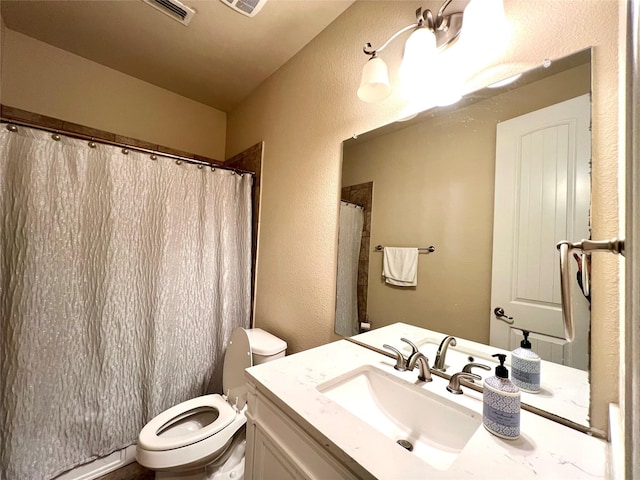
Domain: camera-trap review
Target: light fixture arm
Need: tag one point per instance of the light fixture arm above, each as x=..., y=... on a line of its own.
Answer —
x=434, y=45
x=443, y=26
x=440, y=15
x=421, y=20
x=372, y=53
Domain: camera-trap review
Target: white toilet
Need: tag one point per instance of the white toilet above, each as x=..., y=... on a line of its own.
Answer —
x=186, y=441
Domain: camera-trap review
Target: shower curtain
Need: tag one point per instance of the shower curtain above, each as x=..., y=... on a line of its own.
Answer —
x=121, y=280
x=351, y=220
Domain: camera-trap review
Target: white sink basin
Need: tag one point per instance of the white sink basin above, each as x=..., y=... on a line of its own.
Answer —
x=438, y=429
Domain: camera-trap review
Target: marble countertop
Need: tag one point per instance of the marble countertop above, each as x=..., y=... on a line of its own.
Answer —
x=564, y=391
x=545, y=449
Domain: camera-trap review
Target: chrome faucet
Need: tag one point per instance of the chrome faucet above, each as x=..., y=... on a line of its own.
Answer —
x=423, y=362
x=467, y=368
x=454, y=383
x=442, y=352
x=418, y=357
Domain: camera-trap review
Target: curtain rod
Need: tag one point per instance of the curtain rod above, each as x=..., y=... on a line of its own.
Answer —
x=80, y=136
x=353, y=204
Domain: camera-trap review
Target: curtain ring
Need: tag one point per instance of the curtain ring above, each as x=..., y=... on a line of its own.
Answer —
x=199, y=167
x=178, y=162
x=12, y=128
x=125, y=151
x=56, y=137
x=213, y=169
x=154, y=157
x=92, y=144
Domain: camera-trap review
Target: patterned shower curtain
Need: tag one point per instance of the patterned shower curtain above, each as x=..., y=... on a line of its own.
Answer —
x=121, y=280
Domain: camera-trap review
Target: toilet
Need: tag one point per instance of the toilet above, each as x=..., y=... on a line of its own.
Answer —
x=203, y=438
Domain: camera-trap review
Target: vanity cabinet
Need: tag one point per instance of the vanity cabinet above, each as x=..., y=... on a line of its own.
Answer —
x=278, y=448
x=314, y=415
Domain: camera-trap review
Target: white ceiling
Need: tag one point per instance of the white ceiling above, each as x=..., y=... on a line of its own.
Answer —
x=218, y=59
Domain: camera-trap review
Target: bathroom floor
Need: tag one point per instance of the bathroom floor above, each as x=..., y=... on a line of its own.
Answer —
x=133, y=471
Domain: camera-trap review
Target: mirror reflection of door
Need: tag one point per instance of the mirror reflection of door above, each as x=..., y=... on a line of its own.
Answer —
x=541, y=197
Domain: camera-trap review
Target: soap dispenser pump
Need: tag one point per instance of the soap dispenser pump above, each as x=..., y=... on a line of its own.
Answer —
x=525, y=366
x=501, y=403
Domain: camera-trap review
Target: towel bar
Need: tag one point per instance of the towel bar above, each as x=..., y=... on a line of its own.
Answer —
x=586, y=246
x=429, y=249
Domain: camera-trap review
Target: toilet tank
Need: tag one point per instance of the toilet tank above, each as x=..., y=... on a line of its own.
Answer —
x=264, y=346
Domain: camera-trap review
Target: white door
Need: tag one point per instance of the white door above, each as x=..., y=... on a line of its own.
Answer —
x=542, y=196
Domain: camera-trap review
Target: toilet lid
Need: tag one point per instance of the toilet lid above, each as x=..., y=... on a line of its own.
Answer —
x=236, y=360
x=157, y=435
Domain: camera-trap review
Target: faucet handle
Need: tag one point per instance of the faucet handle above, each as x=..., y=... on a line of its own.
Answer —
x=401, y=363
x=454, y=383
x=414, y=349
x=467, y=368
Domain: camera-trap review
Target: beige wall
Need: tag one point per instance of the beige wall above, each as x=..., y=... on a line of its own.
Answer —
x=305, y=110
x=433, y=185
x=47, y=80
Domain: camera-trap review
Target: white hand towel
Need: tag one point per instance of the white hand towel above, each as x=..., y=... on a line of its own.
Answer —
x=400, y=266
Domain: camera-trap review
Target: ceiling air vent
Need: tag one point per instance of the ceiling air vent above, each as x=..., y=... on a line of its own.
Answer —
x=173, y=8
x=245, y=7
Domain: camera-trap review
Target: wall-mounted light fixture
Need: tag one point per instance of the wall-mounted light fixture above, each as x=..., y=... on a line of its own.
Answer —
x=436, y=50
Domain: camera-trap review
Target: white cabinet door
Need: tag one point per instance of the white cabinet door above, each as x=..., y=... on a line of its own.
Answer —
x=269, y=463
x=279, y=449
x=542, y=196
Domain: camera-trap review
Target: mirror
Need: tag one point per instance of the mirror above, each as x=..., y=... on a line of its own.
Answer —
x=430, y=181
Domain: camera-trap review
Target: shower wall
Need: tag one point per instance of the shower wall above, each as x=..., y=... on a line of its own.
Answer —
x=251, y=160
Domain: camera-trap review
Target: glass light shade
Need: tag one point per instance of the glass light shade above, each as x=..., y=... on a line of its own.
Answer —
x=374, y=85
x=448, y=85
x=485, y=27
x=419, y=50
x=484, y=36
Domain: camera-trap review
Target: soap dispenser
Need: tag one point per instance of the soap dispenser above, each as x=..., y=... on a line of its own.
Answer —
x=501, y=403
x=525, y=366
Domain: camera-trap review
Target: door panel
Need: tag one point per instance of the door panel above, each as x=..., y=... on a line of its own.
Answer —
x=542, y=196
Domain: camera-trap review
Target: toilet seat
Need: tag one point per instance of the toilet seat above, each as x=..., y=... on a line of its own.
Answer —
x=151, y=438
x=192, y=456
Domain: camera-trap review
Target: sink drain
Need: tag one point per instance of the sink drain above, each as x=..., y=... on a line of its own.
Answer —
x=407, y=445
